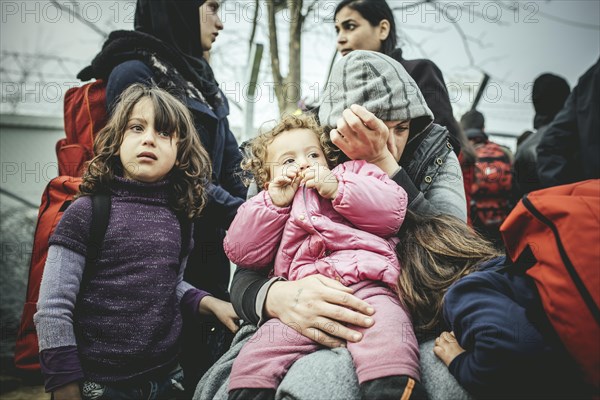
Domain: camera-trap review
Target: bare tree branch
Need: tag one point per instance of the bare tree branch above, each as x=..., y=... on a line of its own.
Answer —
x=414, y=43
x=80, y=18
x=424, y=28
x=565, y=21
x=461, y=33
x=491, y=60
x=481, y=16
x=311, y=7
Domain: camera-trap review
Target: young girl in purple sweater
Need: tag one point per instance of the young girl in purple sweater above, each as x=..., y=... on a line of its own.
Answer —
x=115, y=333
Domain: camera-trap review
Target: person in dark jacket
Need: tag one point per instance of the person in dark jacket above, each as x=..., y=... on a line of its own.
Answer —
x=568, y=150
x=167, y=48
x=370, y=25
x=496, y=338
x=548, y=95
x=500, y=343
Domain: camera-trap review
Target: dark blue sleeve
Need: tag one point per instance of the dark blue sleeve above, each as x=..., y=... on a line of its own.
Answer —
x=223, y=204
x=232, y=159
x=558, y=147
x=231, y=183
x=494, y=330
x=123, y=76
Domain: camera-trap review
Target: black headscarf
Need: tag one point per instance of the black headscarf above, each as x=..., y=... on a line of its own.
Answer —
x=548, y=94
x=170, y=29
x=177, y=23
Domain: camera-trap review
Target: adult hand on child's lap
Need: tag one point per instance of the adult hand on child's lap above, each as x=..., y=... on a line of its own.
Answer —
x=319, y=307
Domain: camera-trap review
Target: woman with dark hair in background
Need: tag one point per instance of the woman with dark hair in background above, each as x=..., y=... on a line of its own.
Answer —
x=167, y=48
x=370, y=25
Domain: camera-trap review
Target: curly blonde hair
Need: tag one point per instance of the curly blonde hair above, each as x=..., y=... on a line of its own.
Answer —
x=192, y=171
x=255, y=157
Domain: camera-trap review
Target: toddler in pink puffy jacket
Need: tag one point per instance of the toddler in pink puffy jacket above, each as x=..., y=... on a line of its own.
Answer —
x=340, y=223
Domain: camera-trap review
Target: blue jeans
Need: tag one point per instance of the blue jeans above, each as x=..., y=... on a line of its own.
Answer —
x=167, y=388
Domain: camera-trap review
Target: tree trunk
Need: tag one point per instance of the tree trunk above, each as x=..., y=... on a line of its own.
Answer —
x=274, y=51
x=287, y=89
x=292, y=83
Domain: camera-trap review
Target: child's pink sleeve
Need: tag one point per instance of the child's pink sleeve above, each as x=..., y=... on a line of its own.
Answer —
x=369, y=199
x=255, y=233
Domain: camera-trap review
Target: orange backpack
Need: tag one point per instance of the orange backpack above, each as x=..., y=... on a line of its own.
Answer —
x=560, y=227
x=85, y=115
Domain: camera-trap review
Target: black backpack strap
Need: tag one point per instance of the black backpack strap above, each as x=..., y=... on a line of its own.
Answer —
x=525, y=261
x=100, y=216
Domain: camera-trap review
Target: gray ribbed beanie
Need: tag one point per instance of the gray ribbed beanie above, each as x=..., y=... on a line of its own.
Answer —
x=375, y=81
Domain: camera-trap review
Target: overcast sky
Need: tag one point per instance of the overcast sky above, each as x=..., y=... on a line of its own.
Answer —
x=556, y=36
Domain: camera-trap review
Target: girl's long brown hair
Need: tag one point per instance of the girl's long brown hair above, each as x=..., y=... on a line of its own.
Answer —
x=192, y=171
x=434, y=252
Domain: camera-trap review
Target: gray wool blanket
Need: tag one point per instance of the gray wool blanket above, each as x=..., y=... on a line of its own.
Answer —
x=325, y=374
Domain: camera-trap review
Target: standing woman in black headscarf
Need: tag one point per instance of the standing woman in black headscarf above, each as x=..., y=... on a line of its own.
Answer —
x=167, y=49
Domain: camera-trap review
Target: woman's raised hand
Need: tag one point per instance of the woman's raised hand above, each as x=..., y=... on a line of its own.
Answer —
x=363, y=136
x=319, y=307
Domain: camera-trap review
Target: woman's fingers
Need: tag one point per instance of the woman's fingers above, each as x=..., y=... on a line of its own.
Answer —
x=331, y=333
x=324, y=338
x=332, y=283
x=367, y=118
x=360, y=135
x=319, y=305
x=347, y=316
x=231, y=324
x=354, y=123
x=322, y=330
x=342, y=126
x=347, y=300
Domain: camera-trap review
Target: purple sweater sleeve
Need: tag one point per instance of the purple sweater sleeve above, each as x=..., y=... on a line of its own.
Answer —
x=191, y=299
x=60, y=366
x=58, y=294
x=188, y=295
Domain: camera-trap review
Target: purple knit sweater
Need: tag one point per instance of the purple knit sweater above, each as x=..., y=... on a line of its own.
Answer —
x=126, y=318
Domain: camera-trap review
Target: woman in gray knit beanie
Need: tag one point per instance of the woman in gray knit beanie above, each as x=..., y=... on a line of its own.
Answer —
x=377, y=113
x=370, y=25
